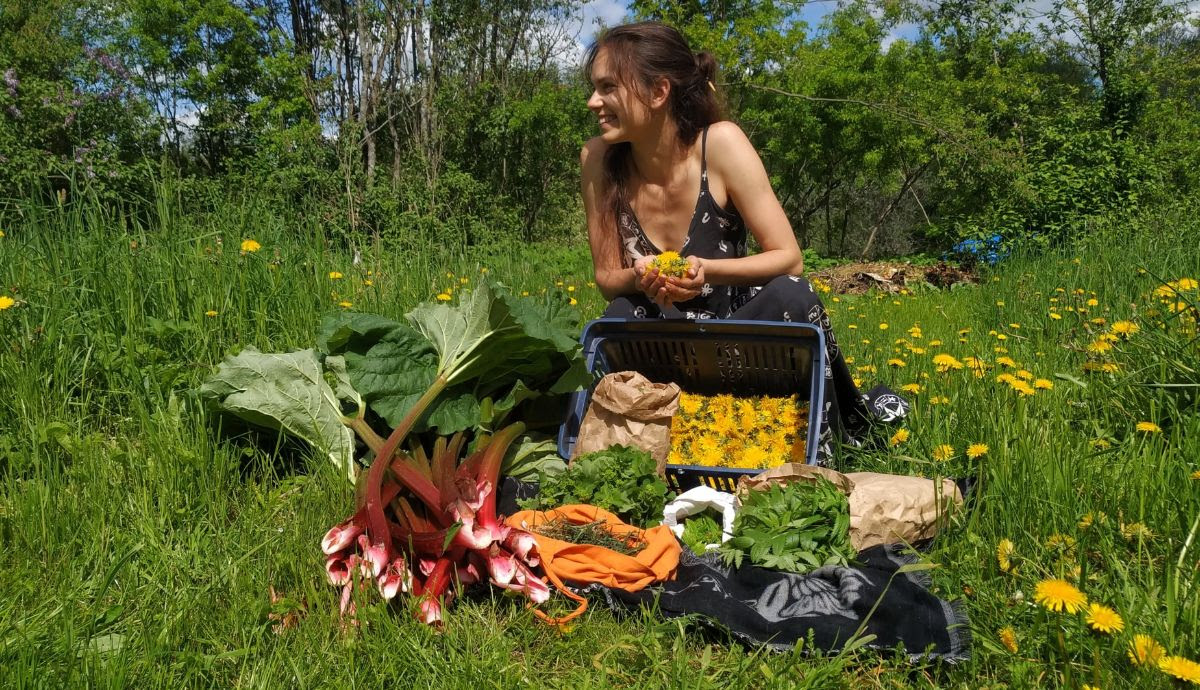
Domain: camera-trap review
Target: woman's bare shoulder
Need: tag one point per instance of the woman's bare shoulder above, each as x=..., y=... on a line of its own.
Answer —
x=593, y=151
x=725, y=137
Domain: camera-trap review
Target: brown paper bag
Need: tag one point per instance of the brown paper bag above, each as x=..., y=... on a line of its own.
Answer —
x=628, y=409
x=884, y=508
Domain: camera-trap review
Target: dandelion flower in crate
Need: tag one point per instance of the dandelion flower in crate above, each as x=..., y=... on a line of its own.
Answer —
x=1145, y=651
x=1059, y=595
x=1104, y=619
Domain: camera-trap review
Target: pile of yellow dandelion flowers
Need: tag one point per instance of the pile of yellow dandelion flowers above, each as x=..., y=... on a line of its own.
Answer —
x=745, y=433
x=671, y=264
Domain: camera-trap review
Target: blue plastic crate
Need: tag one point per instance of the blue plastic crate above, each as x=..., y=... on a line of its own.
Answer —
x=742, y=358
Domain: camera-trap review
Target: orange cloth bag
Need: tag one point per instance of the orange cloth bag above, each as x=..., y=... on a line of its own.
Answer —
x=588, y=563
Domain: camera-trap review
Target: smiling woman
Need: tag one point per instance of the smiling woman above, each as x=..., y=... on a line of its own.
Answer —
x=669, y=175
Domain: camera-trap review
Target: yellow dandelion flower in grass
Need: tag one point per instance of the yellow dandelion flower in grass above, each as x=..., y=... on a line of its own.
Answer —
x=1145, y=651
x=1005, y=378
x=345, y=305
x=1004, y=553
x=210, y=313
x=335, y=275
x=1056, y=316
x=896, y=362
x=1064, y=542
x=943, y=452
x=572, y=301
x=913, y=388
x=1092, y=301
x=1196, y=475
x=1149, y=427
x=1006, y=362
x=1025, y=375
x=883, y=326
x=1059, y=595
x=6, y=302
x=1125, y=328
x=1136, y=530
x=1043, y=384
x=1104, y=619
x=1008, y=638
x=1109, y=367
x=935, y=343
x=250, y=246
x=368, y=282
x=443, y=297
x=1180, y=668
x=1085, y=686
x=1186, y=284
x=945, y=362
x=899, y=437
x=1021, y=387
x=977, y=450
x=1099, y=346
x=939, y=400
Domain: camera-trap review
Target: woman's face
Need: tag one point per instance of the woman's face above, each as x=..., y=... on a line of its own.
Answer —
x=620, y=111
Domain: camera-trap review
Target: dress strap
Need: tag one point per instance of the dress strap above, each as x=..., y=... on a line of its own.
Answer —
x=704, y=160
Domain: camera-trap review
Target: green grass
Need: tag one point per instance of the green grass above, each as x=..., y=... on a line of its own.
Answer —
x=139, y=545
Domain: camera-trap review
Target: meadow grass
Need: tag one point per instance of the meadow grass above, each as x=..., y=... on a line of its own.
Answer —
x=140, y=544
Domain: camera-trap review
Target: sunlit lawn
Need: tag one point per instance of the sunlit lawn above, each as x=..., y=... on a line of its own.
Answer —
x=139, y=547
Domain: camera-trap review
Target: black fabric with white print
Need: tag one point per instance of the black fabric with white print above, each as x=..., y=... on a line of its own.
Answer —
x=717, y=233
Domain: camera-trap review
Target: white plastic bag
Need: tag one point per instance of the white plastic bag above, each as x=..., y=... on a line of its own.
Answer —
x=697, y=500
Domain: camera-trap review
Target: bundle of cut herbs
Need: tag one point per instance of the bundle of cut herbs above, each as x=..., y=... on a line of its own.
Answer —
x=425, y=521
x=796, y=527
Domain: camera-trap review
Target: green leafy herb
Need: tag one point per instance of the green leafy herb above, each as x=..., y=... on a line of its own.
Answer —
x=701, y=530
x=797, y=528
x=619, y=479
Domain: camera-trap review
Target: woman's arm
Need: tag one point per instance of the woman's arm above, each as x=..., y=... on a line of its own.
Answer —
x=733, y=159
x=611, y=278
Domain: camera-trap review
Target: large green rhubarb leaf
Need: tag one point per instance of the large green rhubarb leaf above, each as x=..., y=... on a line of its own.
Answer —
x=286, y=392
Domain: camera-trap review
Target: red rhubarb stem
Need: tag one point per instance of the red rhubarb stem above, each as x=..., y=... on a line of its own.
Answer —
x=376, y=520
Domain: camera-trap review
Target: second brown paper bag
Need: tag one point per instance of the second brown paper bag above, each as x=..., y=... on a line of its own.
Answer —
x=629, y=409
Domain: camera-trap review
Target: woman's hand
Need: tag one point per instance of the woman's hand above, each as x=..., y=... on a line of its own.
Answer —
x=649, y=281
x=690, y=285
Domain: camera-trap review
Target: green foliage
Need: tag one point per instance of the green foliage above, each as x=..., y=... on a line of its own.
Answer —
x=796, y=527
x=701, y=530
x=619, y=479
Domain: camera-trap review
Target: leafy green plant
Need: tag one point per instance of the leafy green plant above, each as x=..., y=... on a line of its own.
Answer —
x=619, y=479
x=798, y=527
x=700, y=530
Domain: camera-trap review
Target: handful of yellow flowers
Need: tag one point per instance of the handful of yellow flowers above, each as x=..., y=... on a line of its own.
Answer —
x=746, y=433
x=670, y=264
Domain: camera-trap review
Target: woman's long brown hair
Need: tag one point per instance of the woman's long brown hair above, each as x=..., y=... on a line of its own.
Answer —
x=640, y=54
